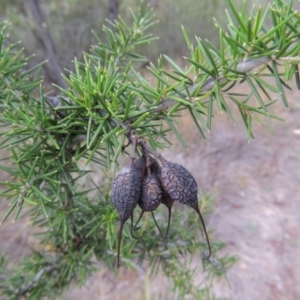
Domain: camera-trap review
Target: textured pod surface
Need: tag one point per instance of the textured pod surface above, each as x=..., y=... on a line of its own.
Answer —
x=140, y=164
x=126, y=190
x=151, y=192
x=178, y=183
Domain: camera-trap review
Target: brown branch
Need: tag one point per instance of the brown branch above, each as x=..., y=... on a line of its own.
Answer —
x=43, y=36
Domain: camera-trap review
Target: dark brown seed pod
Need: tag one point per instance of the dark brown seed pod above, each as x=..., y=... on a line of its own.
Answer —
x=152, y=192
x=166, y=200
x=180, y=185
x=140, y=164
x=125, y=194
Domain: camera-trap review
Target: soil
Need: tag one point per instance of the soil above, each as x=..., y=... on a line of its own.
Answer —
x=256, y=187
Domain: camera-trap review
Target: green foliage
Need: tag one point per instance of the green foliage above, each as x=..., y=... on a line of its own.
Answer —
x=50, y=139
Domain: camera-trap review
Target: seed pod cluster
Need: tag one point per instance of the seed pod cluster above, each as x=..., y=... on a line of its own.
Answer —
x=145, y=183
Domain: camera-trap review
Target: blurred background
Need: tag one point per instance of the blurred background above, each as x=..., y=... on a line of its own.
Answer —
x=255, y=185
x=61, y=30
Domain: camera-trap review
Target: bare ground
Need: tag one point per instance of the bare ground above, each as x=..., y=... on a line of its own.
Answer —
x=257, y=189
